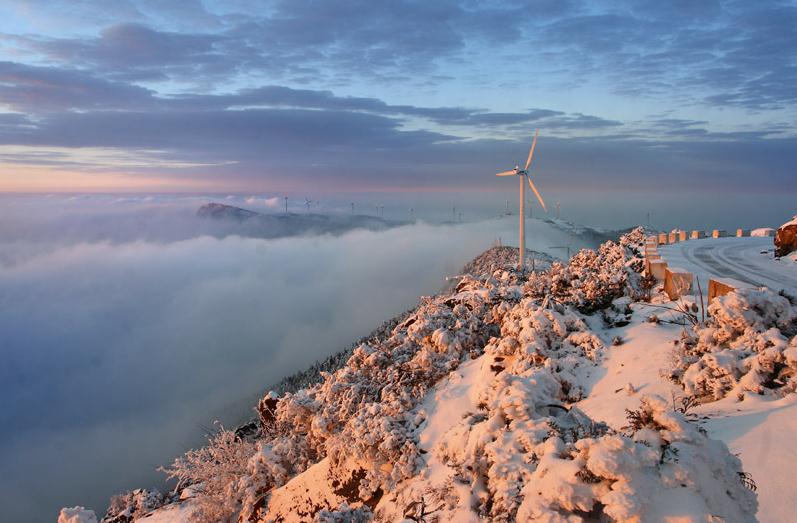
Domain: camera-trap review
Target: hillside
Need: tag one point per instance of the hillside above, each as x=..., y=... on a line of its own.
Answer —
x=569, y=394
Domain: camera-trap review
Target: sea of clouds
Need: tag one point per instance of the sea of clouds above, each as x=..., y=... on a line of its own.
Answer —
x=126, y=329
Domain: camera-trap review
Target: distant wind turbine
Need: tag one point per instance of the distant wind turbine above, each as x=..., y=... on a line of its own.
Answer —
x=286, y=204
x=521, y=173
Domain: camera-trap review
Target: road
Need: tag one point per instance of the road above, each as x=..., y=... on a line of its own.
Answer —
x=749, y=260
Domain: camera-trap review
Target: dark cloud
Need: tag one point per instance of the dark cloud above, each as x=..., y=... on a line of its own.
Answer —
x=42, y=89
x=717, y=53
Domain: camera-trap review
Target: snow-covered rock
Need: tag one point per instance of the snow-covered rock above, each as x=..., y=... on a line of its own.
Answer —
x=76, y=515
x=786, y=238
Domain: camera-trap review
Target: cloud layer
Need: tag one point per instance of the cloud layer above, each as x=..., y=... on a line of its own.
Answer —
x=234, y=95
x=118, y=351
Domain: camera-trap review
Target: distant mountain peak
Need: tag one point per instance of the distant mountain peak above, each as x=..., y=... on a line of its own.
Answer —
x=223, y=211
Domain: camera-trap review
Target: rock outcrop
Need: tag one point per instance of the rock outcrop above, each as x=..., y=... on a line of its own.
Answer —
x=786, y=238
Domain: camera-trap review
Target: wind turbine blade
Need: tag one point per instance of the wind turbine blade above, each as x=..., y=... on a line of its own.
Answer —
x=536, y=193
x=531, y=152
x=506, y=173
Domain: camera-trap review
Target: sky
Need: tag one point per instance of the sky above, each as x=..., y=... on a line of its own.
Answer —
x=396, y=96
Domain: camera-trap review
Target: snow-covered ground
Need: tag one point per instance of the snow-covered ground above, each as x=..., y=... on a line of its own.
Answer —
x=560, y=396
x=760, y=430
x=748, y=259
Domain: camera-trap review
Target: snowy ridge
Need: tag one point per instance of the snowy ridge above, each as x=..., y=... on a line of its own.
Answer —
x=512, y=397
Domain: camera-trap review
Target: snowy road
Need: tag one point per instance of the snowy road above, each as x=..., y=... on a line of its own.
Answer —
x=749, y=260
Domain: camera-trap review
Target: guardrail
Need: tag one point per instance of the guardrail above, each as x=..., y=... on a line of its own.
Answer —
x=678, y=282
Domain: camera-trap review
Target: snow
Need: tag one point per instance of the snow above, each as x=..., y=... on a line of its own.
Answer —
x=506, y=399
x=748, y=259
x=764, y=231
x=762, y=432
x=76, y=515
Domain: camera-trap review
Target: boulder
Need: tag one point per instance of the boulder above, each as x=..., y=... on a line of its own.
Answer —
x=786, y=238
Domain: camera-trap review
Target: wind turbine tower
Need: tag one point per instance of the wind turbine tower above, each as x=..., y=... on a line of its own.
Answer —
x=521, y=174
x=286, y=205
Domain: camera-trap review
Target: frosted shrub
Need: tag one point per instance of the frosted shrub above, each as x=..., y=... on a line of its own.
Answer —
x=519, y=460
x=344, y=514
x=593, y=279
x=748, y=345
x=214, y=473
x=128, y=507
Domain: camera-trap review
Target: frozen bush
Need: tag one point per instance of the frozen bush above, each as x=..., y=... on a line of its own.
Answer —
x=214, y=473
x=344, y=514
x=128, y=507
x=748, y=345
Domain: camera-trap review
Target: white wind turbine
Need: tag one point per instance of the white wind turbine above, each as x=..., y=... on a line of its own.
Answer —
x=521, y=173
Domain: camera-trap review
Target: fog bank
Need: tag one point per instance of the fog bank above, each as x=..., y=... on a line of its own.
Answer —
x=119, y=351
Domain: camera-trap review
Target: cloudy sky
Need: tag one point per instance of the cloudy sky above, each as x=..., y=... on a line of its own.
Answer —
x=239, y=95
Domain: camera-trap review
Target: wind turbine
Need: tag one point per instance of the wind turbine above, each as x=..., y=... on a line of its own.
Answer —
x=521, y=173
